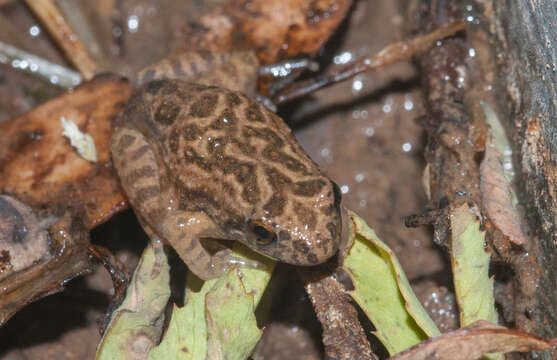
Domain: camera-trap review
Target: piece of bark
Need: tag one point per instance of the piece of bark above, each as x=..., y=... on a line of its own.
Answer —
x=343, y=335
x=56, y=247
x=524, y=81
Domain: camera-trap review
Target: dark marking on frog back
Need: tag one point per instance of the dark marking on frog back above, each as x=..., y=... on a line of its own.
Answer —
x=177, y=68
x=167, y=112
x=204, y=106
x=140, y=173
x=226, y=121
x=125, y=142
x=305, y=215
x=309, y=188
x=174, y=140
x=232, y=100
x=254, y=114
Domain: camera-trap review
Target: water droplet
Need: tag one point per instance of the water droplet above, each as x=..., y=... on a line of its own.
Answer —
x=359, y=177
x=34, y=30
x=343, y=58
x=406, y=147
x=408, y=105
x=472, y=52
x=133, y=23
x=369, y=131
x=469, y=18
x=344, y=189
x=357, y=85
x=325, y=152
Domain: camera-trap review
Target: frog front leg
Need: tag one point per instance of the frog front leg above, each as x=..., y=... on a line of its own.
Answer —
x=184, y=231
x=140, y=174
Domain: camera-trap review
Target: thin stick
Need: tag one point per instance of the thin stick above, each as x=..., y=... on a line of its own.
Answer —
x=64, y=36
x=399, y=51
x=38, y=66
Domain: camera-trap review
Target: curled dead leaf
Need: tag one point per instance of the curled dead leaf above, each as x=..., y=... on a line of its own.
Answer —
x=497, y=195
x=473, y=341
x=276, y=29
x=40, y=167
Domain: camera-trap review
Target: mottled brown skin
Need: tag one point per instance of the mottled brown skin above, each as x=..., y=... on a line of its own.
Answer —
x=200, y=161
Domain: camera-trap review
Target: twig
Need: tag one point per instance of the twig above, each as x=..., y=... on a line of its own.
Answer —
x=399, y=51
x=64, y=36
x=35, y=65
x=343, y=336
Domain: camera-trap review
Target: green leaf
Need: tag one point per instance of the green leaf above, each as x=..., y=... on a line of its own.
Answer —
x=136, y=325
x=470, y=264
x=383, y=292
x=218, y=321
x=231, y=324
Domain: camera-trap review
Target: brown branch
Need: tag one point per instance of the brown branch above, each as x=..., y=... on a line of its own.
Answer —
x=64, y=35
x=399, y=51
x=343, y=336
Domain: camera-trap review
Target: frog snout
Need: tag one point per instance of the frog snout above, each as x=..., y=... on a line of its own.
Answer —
x=312, y=252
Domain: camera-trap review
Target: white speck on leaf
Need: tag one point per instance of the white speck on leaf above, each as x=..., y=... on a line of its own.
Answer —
x=82, y=142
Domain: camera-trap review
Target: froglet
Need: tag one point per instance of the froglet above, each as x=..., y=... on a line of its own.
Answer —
x=199, y=159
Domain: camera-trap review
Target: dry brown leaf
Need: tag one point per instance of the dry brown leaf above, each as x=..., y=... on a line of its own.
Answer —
x=277, y=30
x=39, y=166
x=473, y=341
x=496, y=196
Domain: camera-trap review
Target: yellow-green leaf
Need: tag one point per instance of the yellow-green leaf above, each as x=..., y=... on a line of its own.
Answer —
x=136, y=325
x=218, y=321
x=383, y=291
x=231, y=326
x=470, y=265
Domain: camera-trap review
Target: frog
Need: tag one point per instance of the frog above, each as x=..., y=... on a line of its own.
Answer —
x=200, y=160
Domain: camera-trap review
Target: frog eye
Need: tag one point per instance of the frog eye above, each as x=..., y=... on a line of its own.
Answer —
x=263, y=235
